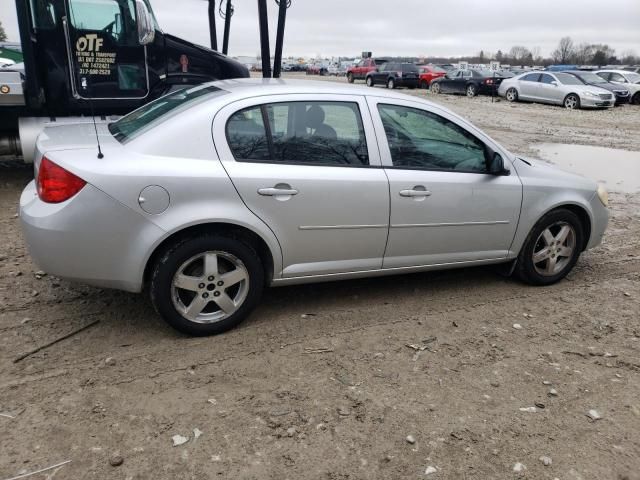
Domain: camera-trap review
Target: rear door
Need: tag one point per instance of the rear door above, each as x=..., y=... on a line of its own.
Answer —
x=529, y=86
x=309, y=167
x=105, y=57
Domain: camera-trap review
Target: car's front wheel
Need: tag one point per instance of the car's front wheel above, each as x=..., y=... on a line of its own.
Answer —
x=369, y=81
x=435, y=87
x=207, y=284
x=350, y=77
x=552, y=248
x=636, y=99
x=572, y=102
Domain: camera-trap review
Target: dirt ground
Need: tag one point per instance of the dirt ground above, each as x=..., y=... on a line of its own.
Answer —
x=320, y=382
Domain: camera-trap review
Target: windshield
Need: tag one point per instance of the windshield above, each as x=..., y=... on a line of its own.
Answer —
x=150, y=115
x=591, y=78
x=568, y=79
x=633, y=77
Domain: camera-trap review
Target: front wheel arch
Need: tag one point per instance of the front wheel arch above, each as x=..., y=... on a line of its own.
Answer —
x=225, y=229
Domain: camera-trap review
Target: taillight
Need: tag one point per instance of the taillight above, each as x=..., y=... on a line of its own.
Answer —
x=55, y=184
x=488, y=81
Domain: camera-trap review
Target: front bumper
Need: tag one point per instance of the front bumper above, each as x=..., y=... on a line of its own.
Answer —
x=600, y=221
x=591, y=102
x=90, y=238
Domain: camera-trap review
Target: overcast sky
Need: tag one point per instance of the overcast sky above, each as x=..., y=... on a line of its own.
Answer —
x=405, y=27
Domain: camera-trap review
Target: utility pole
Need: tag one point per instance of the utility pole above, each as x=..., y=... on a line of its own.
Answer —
x=212, y=25
x=265, y=51
x=282, y=15
x=227, y=27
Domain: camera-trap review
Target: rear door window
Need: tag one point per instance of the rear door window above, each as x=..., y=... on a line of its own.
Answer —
x=307, y=133
x=531, y=77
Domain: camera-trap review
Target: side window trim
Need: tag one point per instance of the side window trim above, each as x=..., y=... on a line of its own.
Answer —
x=364, y=127
x=385, y=154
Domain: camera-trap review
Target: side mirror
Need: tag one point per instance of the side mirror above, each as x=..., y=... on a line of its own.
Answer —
x=146, y=29
x=495, y=164
x=554, y=83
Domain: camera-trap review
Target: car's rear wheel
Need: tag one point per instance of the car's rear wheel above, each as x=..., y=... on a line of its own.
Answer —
x=391, y=83
x=369, y=81
x=512, y=95
x=350, y=77
x=572, y=101
x=435, y=87
x=551, y=249
x=207, y=284
x=472, y=91
x=424, y=84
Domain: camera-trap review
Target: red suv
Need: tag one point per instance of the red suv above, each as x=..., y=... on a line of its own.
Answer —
x=364, y=66
x=428, y=73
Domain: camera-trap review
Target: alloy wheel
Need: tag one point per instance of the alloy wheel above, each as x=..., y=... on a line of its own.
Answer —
x=210, y=287
x=471, y=91
x=512, y=95
x=435, y=88
x=369, y=82
x=571, y=102
x=554, y=249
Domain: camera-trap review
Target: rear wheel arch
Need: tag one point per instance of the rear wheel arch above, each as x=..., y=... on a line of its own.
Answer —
x=239, y=232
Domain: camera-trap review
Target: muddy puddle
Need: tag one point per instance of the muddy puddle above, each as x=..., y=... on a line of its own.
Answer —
x=618, y=170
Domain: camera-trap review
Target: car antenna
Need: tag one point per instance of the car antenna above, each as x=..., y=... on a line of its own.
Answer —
x=85, y=85
x=93, y=117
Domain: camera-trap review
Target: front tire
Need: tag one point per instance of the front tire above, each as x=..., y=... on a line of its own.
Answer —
x=572, y=102
x=369, y=81
x=551, y=249
x=512, y=95
x=435, y=88
x=207, y=284
x=350, y=77
x=635, y=100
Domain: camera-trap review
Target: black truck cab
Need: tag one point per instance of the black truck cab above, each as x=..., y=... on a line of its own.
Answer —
x=111, y=52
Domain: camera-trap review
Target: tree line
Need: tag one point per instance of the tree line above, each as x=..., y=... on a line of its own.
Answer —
x=567, y=52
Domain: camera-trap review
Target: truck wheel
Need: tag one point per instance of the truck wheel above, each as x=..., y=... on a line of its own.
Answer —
x=350, y=77
x=369, y=81
x=207, y=284
x=391, y=84
x=552, y=248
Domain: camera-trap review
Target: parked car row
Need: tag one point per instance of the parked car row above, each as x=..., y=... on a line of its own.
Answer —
x=574, y=89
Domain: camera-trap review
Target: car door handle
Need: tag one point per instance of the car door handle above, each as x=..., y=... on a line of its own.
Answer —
x=415, y=193
x=271, y=191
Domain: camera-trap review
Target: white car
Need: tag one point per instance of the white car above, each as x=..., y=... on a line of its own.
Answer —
x=630, y=80
x=557, y=88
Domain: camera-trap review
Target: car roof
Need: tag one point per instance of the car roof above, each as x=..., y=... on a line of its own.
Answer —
x=254, y=87
x=608, y=70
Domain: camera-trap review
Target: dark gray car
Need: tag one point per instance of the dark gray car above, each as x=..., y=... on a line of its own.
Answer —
x=589, y=78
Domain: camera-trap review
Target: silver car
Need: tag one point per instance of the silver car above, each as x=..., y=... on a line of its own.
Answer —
x=555, y=88
x=209, y=194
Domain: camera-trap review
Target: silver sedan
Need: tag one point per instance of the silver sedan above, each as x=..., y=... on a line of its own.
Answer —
x=209, y=194
x=555, y=88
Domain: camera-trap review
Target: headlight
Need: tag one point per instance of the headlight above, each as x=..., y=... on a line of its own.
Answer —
x=590, y=94
x=603, y=195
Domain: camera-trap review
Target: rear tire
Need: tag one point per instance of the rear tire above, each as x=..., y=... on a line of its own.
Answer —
x=369, y=81
x=472, y=91
x=350, y=77
x=424, y=85
x=512, y=95
x=551, y=249
x=207, y=284
x=391, y=84
x=572, y=102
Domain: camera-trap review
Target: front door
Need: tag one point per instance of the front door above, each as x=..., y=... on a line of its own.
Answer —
x=445, y=207
x=105, y=57
x=309, y=168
